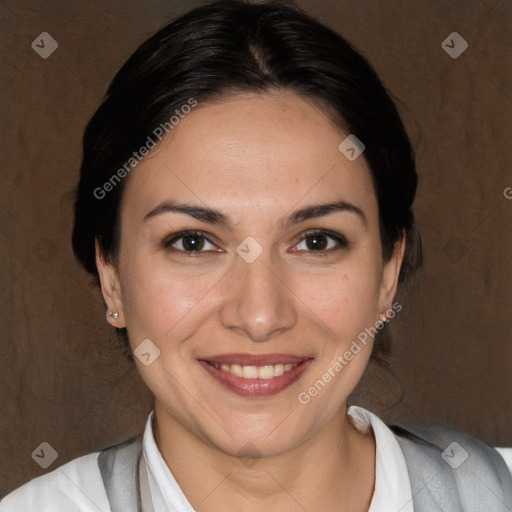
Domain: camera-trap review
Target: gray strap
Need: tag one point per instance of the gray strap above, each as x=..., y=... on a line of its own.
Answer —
x=145, y=499
x=481, y=483
x=124, y=473
x=478, y=482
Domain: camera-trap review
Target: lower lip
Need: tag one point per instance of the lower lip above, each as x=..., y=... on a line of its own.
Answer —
x=256, y=387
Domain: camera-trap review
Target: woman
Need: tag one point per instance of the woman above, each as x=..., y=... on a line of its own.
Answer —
x=245, y=202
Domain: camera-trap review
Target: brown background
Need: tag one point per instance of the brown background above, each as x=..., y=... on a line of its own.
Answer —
x=62, y=379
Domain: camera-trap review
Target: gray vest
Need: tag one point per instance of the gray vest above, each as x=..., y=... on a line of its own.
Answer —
x=449, y=472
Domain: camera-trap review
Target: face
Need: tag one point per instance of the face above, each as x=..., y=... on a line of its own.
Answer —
x=250, y=258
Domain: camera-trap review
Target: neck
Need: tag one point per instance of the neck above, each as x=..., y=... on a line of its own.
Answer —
x=333, y=470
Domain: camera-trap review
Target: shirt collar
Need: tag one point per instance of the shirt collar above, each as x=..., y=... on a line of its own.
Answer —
x=392, y=485
x=165, y=491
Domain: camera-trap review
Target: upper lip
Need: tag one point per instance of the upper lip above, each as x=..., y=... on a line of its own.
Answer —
x=255, y=359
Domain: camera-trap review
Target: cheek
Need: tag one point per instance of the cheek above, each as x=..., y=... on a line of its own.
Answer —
x=345, y=300
x=160, y=304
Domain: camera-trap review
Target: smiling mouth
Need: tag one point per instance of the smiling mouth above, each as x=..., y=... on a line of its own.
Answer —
x=266, y=372
x=253, y=375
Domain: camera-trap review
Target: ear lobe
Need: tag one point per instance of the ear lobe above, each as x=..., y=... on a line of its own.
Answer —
x=110, y=288
x=390, y=274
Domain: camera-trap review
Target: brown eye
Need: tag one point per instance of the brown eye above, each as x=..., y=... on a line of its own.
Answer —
x=316, y=242
x=189, y=242
x=193, y=243
x=321, y=241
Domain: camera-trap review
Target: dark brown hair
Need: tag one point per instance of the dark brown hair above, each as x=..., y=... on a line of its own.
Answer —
x=233, y=46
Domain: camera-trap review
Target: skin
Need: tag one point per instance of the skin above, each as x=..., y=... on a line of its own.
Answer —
x=256, y=158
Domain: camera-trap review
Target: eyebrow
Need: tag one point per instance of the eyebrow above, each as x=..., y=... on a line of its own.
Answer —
x=212, y=216
x=320, y=210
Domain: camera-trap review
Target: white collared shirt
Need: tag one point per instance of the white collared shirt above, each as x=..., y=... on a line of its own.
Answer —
x=77, y=486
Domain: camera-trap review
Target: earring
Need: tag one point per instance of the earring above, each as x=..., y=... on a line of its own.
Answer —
x=114, y=315
x=383, y=321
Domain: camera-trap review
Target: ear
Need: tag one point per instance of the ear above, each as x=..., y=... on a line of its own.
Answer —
x=390, y=273
x=110, y=287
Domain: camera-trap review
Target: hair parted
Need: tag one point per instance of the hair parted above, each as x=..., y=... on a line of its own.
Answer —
x=229, y=47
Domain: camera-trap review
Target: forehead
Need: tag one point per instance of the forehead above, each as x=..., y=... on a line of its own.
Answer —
x=266, y=150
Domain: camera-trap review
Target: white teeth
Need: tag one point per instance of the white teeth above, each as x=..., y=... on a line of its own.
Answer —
x=236, y=369
x=249, y=372
x=268, y=371
x=278, y=370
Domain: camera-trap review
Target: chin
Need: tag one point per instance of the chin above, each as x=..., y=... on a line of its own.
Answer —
x=244, y=436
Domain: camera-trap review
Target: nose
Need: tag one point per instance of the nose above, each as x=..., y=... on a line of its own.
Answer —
x=259, y=305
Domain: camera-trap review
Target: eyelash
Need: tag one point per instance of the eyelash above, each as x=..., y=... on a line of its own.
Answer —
x=338, y=238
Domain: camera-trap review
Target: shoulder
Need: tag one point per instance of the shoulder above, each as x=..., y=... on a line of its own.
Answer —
x=448, y=466
x=76, y=486
x=453, y=444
